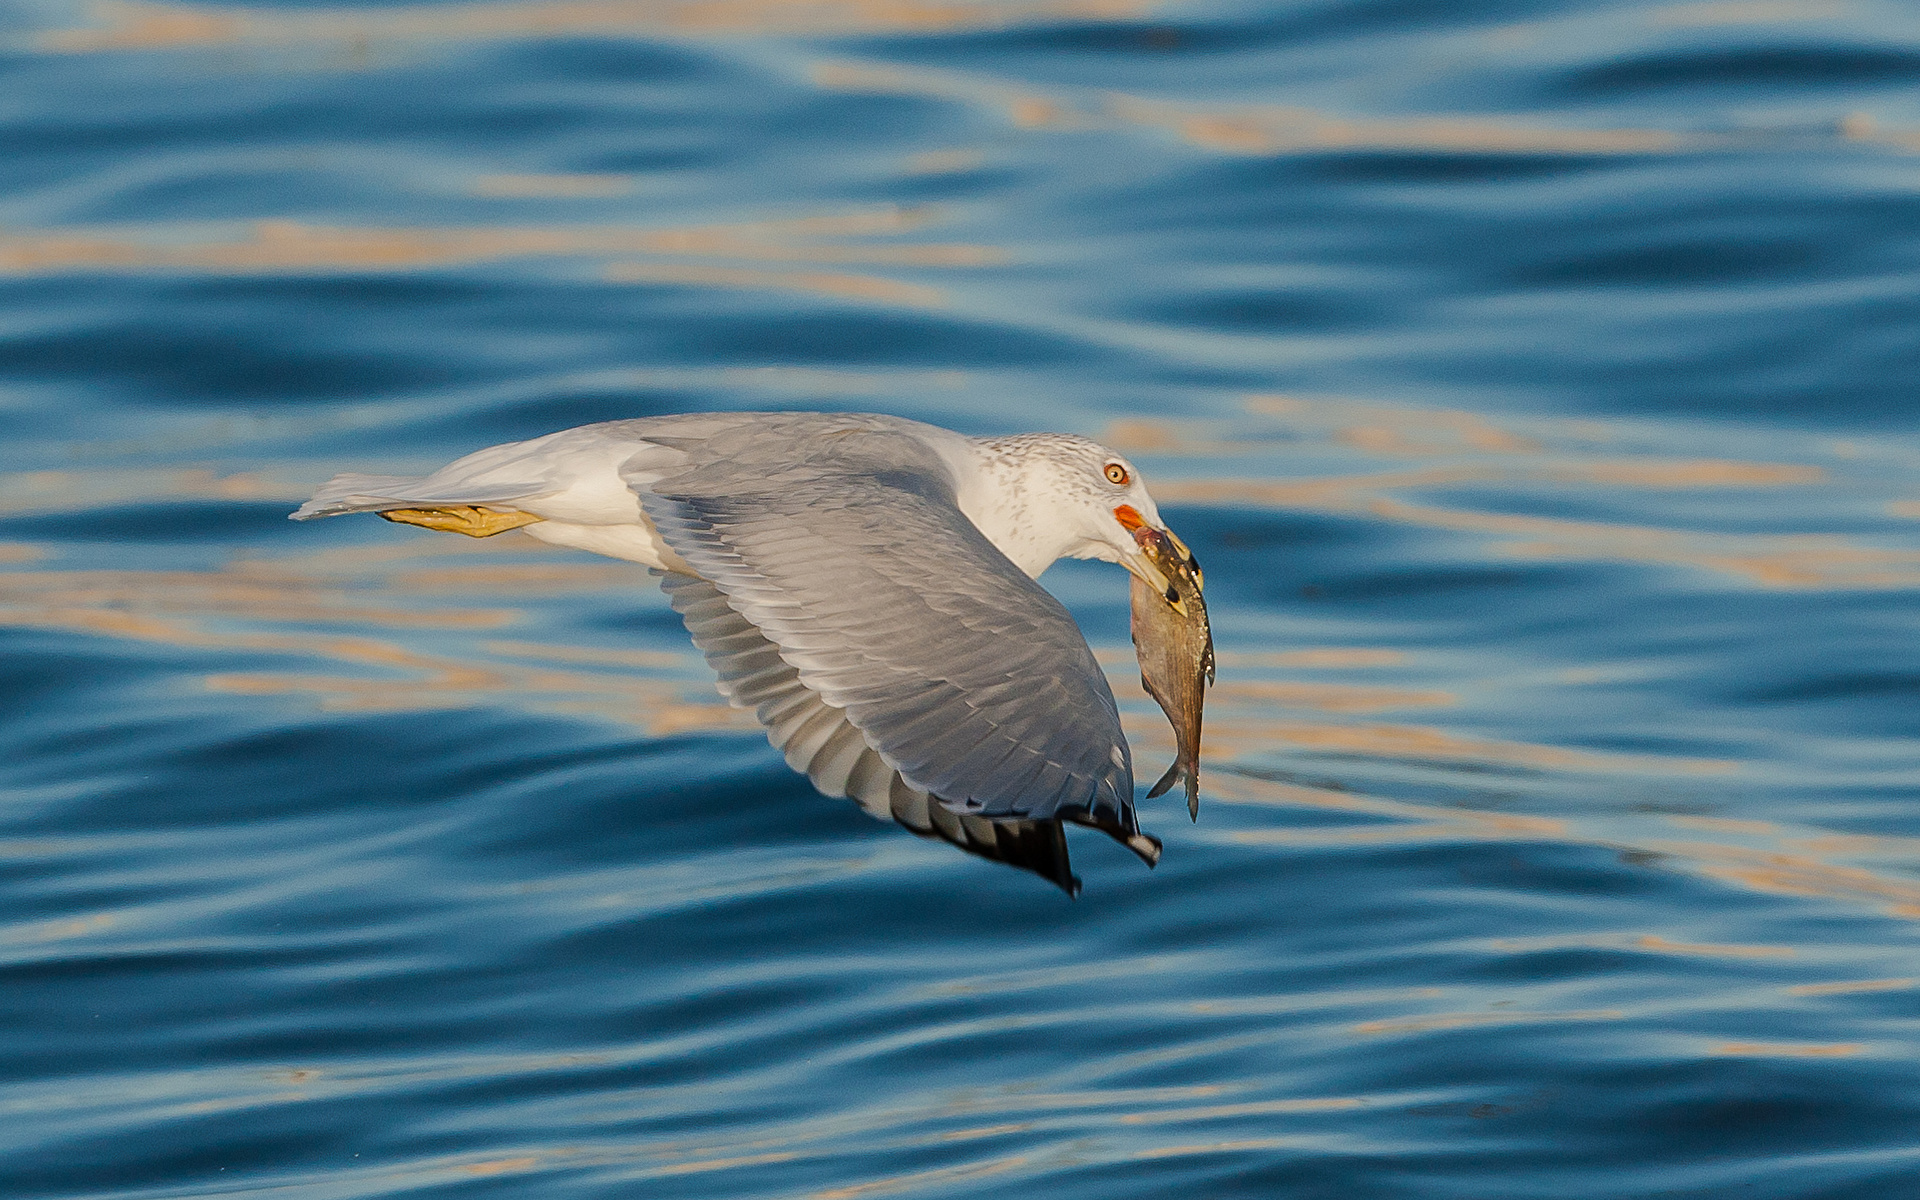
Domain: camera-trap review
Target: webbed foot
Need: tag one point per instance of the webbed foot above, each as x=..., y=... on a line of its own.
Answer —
x=461, y=518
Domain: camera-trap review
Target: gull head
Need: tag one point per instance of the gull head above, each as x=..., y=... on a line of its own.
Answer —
x=1048, y=496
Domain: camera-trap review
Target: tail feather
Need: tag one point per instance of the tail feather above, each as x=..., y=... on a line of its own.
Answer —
x=374, y=493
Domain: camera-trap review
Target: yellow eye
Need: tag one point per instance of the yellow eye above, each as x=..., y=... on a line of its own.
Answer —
x=1117, y=475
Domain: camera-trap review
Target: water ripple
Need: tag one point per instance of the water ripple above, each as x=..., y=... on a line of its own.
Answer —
x=1533, y=381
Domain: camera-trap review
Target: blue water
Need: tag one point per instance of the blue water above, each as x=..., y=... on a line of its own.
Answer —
x=1536, y=381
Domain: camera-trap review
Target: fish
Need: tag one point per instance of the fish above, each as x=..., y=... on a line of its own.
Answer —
x=1174, y=643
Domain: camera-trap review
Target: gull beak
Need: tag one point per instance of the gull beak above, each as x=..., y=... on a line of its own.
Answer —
x=1151, y=548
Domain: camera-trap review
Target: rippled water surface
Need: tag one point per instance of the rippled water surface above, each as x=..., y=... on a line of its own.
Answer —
x=1535, y=379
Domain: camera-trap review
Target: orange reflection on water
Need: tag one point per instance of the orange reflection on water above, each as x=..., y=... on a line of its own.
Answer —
x=273, y=247
x=1770, y=560
x=824, y=283
x=1475, y=1020
x=1023, y=107
x=166, y=605
x=1848, y=987
x=1789, y=1049
x=1326, y=697
x=32, y=932
x=1141, y=435
x=1712, y=949
x=1767, y=560
x=1254, y=130
x=1314, y=658
x=1317, y=658
x=656, y=660
x=522, y=578
x=1242, y=695
x=1415, y=742
x=1800, y=874
x=254, y=605
x=1250, y=1108
x=1661, y=475
x=1792, y=863
x=1239, y=727
x=1644, y=943
x=1338, y=493
x=1272, y=129
x=1401, y=431
x=1228, y=1146
x=1799, y=866
x=290, y=247
x=72, y=491
x=1862, y=127
x=1394, y=429
x=936, y=1177
x=502, y=1166
x=138, y=25
x=1399, y=820
x=1466, y=448
x=660, y=705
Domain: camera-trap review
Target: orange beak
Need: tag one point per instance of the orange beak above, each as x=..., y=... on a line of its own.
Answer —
x=1140, y=562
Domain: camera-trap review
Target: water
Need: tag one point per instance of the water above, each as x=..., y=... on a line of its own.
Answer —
x=1535, y=380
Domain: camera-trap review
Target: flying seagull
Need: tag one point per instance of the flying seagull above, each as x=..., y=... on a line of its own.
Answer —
x=865, y=584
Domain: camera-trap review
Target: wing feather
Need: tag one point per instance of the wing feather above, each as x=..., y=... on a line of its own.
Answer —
x=844, y=764
x=840, y=541
x=893, y=653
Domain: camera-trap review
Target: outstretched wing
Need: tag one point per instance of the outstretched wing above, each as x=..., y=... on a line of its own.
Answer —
x=822, y=744
x=839, y=539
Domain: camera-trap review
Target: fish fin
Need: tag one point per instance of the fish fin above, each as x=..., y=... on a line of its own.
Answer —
x=1166, y=781
x=1193, y=796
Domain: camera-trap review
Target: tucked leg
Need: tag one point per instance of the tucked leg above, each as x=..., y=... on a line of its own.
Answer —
x=461, y=518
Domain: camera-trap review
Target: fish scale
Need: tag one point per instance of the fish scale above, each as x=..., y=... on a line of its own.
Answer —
x=1174, y=643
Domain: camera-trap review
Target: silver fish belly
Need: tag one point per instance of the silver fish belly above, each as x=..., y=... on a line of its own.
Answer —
x=1174, y=643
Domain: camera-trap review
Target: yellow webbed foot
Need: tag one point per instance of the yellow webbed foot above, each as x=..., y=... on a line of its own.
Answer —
x=461, y=518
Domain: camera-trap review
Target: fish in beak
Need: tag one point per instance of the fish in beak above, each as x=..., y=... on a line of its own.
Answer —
x=1174, y=643
x=1140, y=561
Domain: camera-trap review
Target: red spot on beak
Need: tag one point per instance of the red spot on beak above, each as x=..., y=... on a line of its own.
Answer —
x=1129, y=517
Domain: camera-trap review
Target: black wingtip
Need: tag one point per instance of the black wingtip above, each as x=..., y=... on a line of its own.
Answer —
x=1147, y=847
x=1039, y=846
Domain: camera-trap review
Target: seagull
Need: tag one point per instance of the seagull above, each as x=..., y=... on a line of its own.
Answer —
x=866, y=586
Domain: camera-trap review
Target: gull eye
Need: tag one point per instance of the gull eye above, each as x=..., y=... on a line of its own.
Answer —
x=1117, y=475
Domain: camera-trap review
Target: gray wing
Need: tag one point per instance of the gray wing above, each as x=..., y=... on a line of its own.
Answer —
x=822, y=744
x=839, y=540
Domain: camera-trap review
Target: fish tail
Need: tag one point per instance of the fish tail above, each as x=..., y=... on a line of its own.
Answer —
x=1172, y=776
x=1193, y=795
